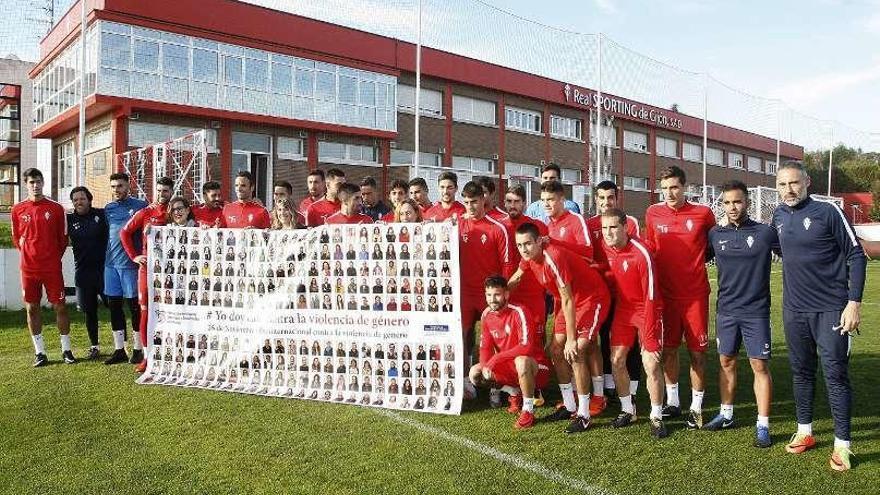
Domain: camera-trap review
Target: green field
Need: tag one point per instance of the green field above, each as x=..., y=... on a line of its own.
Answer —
x=89, y=428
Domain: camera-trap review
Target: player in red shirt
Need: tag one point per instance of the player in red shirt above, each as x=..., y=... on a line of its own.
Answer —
x=210, y=212
x=638, y=314
x=447, y=207
x=492, y=209
x=399, y=192
x=511, y=352
x=483, y=251
x=246, y=212
x=39, y=232
x=606, y=199
x=677, y=232
x=153, y=215
x=317, y=189
x=418, y=191
x=349, y=196
x=318, y=211
x=582, y=303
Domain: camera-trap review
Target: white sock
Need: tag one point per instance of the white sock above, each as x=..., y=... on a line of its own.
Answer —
x=598, y=386
x=567, y=396
x=626, y=404
x=609, y=382
x=65, y=343
x=39, y=346
x=841, y=443
x=763, y=421
x=672, y=395
x=806, y=429
x=528, y=404
x=633, y=387
x=584, y=406
x=511, y=390
x=727, y=411
x=93, y=347
x=656, y=411
x=136, y=341
x=119, y=339
x=697, y=400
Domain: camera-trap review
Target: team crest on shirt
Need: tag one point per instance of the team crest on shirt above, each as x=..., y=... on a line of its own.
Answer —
x=75, y=225
x=97, y=219
x=562, y=232
x=625, y=266
x=483, y=238
x=47, y=215
x=250, y=217
x=464, y=238
x=689, y=224
x=807, y=223
x=232, y=218
x=750, y=240
x=131, y=212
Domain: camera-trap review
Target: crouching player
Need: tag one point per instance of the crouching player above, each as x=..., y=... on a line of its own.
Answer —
x=637, y=314
x=511, y=353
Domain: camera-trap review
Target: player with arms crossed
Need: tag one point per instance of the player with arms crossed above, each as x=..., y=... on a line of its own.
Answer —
x=511, y=352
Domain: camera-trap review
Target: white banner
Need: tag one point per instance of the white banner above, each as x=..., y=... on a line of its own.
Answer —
x=355, y=314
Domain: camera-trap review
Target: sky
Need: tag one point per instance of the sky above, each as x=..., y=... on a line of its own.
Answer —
x=820, y=56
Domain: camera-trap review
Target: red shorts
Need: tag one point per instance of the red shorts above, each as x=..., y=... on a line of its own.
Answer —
x=32, y=284
x=590, y=317
x=688, y=319
x=143, y=292
x=504, y=372
x=472, y=306
x=624, y=331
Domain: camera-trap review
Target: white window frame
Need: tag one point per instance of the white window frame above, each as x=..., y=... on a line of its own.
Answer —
x=754, y=164
x=66, y=159
x=425, y=159
x=635, y=141
x=428, y=99
x=523, y=120
x=712, y=153
x=470, y=164
x=566, y=178
x=735, y=160
x=663, y=146
x=567, y=128
x=770, y=167
x=282, y=140
x=689, y=156
x=352, y=152
x=610, y=135
x=632, y=183
x=97, y=139
x=514, y=169
x=464, y=109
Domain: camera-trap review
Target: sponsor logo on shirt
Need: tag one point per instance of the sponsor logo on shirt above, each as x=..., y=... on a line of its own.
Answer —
x=807, y=223
x=664, y=229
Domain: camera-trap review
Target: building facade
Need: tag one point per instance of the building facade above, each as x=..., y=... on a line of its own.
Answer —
x=17, y=148
x=280, y=95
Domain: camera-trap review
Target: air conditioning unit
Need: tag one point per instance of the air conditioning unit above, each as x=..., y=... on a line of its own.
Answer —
x=441, y=150
x=215, y=124
x=303, y=134
x=495, y=156
x=643, y=147
x=543, y=162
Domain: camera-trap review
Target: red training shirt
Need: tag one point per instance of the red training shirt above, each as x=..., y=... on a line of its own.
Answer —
x=637, y=291
x=678, y=239
x=207, y=216
x=243, y=214
x=497, y=213
x=570, y=231
x=529, y=289
x=339, y=218
x=507, y=333
x=317, y=212
x=437, y=213
x=42, y=225
x=558, y=268
x=594, y=225
x=153, y=214
x=483, y=251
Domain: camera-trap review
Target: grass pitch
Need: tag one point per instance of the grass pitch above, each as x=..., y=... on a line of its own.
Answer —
x=89, y=428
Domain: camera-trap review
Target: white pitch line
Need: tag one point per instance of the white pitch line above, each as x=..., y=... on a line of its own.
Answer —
x=504, y=458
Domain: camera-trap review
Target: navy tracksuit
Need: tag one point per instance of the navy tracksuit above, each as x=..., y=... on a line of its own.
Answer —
x=88, y=235
x=823, y=267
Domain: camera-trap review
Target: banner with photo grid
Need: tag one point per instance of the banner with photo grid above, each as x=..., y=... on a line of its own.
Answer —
x=358, y=314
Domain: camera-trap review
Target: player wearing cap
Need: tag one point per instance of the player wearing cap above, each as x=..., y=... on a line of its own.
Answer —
x=511, y=352
x=39, y=232
x=637, y=318
x=677, y=232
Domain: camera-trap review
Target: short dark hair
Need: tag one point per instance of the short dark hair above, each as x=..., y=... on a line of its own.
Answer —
x=517, y=190
x=81, y=189
x=472, y=190
x=672, y=172
x=318, y=173
x=793, y=164
x=418, y=181
x=32, y=173
x=398, y=184
x=552, y=166
x=335, y=173
x=553, y=186
x=495, y=282
x=606, y=185
x=165, y=181
x=487, y=183
x=528, y=228
x=733, y=185
x=616, y=213
x=369, y=181
x=285, y=185
x=447, y=175
x=211, y=185
x=247, y=175
x=347, y=188
x=120, y=176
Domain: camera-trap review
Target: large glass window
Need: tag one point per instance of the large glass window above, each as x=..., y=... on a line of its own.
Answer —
x=520, y=119
x=692, y=152
x=635, y=141
x=472, y=110
x=175, y=60
x=566, y=127
x=667, y=147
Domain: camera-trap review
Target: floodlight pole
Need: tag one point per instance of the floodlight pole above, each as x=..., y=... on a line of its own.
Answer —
x=81, y=162
x=599, y=127
x=418, y=88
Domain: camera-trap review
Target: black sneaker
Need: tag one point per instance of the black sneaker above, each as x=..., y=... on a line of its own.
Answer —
x=560, y=414
x=694, y=420
x=658, y=429
x=118, y=356
x=137, y=356
x=671, y=411
x=40, y=360
x=94, y=353
x=623, y=419
x=579, y=424
x=68, y=357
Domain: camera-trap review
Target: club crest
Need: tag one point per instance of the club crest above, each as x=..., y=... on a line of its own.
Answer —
x=689, y=224
x=750, y=240
x=625, y=266
x=47, y=215
x=483, y=238
x=807, y=223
